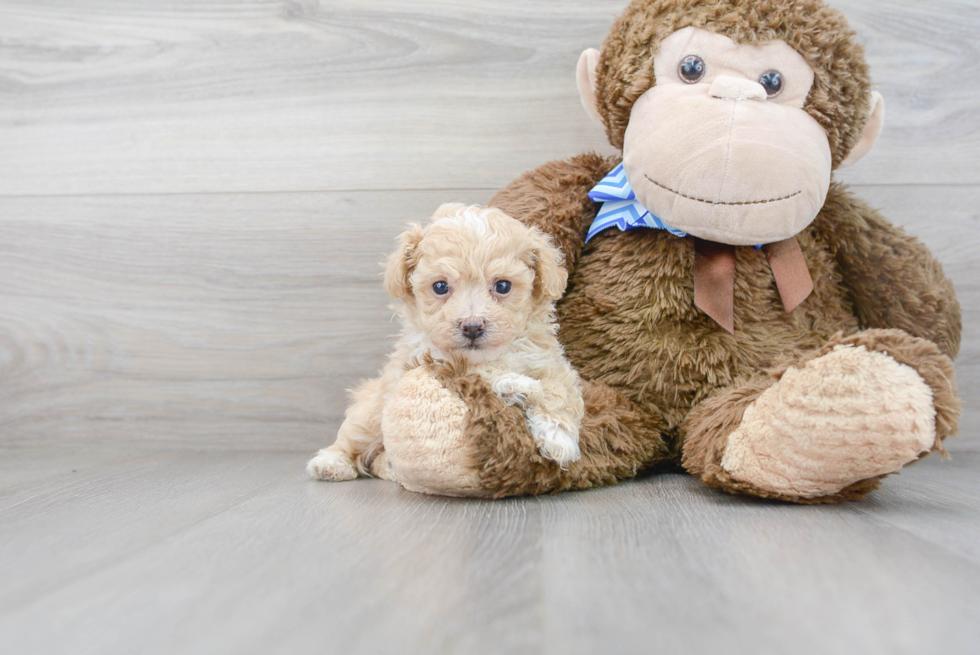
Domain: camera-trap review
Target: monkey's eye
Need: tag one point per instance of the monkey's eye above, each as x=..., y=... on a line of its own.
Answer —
x=691, y=69
x=772, y=82
x=502, y=287
x=440, y=288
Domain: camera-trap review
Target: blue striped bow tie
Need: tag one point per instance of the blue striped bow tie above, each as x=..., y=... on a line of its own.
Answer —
x=620, y=207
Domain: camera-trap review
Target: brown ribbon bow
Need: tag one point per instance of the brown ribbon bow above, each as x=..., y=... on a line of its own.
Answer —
x=714, y=277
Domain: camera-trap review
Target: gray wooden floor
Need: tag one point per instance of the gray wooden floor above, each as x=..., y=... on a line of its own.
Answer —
x=194, y=197
x=122, y=550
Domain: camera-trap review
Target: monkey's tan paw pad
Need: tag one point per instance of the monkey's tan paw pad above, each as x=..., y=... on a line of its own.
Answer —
x=331, y=465
x=424, y=428
x=847, y=416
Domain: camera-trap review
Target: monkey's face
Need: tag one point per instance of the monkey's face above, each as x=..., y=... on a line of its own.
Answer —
x=721, y=146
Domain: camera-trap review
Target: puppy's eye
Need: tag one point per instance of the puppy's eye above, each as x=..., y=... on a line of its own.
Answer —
x=502, y=287
x=440, y=288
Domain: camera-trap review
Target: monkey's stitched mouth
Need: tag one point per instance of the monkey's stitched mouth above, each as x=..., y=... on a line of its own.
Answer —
x=719, y=202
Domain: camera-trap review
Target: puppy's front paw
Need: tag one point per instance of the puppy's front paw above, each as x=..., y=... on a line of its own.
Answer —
x=333, y=465
x=515, y=388
x=553, y=442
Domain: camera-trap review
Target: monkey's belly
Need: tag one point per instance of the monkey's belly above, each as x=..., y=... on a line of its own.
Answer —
x=628, y=318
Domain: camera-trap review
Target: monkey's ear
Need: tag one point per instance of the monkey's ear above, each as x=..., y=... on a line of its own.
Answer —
x=876, y=120
x=402, y=262
x=585, y=77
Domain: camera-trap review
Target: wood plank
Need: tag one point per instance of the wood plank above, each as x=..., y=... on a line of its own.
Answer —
x=237, y=552
x=110, y=511
x=690, y=570
x=241, y=319
x=327, y=557
x=915, y=49
x=937, y=500
x=25, y=471
x=115, y=97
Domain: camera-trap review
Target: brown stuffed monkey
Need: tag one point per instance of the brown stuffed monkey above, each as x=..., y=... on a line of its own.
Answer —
x=729, y=307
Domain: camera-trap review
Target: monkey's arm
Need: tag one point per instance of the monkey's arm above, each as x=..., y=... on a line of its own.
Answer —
x=448, y=433
x=555, y=199
x=616, y=439
x=894, y=280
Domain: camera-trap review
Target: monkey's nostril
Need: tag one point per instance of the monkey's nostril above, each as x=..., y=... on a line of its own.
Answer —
x=473, y=331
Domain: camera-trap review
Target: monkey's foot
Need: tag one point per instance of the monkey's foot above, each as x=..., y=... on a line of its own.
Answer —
x=832, y=425
x=850, y=415
x=424, y=426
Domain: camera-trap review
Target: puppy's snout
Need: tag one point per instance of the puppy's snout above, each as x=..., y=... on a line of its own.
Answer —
x=473, y=330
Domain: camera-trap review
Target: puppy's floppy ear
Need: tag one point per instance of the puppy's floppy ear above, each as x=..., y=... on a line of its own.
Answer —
x=548, y=264
x=402, y=262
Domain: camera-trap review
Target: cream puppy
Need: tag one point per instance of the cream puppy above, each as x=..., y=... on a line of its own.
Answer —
x=476, y=284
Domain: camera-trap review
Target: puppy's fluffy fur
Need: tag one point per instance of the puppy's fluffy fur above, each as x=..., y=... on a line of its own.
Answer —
x=446, y=281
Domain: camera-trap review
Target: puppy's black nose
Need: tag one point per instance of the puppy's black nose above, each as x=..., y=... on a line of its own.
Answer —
x=473, y=331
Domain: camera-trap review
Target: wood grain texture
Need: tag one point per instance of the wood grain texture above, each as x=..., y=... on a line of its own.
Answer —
x=194, y=197
x=241, y=319
x=110, y=96
x=167, y=552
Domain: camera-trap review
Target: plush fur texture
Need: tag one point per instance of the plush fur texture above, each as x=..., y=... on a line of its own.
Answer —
x=628, y=318
x=618, y=440
x=427, y=441
x=708, y=427
x=841, y=94
x=663, y=383
x=849, y=415
x=446, y=281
